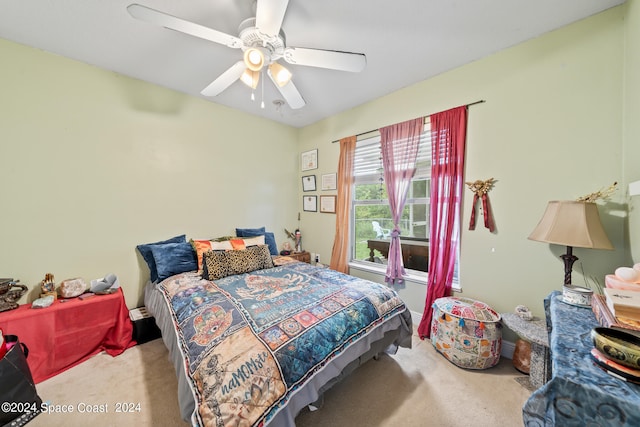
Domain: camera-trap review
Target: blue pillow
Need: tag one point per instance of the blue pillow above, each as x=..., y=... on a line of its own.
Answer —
x=173, y=258
x=145, y=251
x=240, y=232
x=269, y=238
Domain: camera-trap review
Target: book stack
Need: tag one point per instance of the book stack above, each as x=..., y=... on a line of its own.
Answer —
x=624, y=304
x=617, y=308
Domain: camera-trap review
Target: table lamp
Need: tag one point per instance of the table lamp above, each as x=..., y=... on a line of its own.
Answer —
x=574, y=224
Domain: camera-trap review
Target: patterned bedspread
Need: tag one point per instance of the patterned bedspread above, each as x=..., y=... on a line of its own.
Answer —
x=250, y=340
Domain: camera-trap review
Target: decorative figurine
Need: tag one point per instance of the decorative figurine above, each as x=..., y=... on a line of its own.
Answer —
x=72, y=287
x=9, y=296
x=298, y=241
x=523, y=312
x=48, y=286
x=286, y=249
x=296, y=237
x=42, y=302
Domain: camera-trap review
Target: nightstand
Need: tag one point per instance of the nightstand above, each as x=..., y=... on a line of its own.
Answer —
x=303, y=256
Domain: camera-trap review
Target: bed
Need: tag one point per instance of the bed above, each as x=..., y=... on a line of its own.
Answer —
x=254, y=348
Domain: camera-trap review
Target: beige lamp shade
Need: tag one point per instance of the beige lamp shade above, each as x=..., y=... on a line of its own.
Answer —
x=572, y=223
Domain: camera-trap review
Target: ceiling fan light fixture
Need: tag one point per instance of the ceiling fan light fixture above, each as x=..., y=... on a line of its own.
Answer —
x=262, y=42
x=254, y=59
x=250, y=78
x=280, y=74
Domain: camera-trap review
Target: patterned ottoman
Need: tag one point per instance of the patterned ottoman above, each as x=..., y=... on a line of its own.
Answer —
x=467, y=332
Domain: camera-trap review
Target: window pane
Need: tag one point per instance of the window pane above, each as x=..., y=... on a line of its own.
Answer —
x=414, y=221
x=371, y=192
x=371, y=221
x=419, y=188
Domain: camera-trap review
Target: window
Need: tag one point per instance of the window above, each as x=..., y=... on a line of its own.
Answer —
x=371, y=215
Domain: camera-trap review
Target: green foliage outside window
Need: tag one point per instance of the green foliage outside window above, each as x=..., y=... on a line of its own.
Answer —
x=371, y=204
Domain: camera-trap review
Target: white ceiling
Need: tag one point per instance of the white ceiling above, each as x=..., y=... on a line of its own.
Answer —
x=405, y=41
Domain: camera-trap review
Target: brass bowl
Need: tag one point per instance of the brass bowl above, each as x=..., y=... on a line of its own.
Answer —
x=617, y=345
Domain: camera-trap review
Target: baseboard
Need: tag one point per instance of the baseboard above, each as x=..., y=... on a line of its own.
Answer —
x=416, y=318
x=507, y=346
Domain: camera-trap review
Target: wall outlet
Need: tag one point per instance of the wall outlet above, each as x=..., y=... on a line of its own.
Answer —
x=316, y=258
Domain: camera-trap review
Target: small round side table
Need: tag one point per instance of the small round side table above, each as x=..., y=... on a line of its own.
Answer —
x=534, y=331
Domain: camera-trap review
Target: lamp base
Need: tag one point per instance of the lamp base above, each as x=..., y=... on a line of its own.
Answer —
x=568, y=259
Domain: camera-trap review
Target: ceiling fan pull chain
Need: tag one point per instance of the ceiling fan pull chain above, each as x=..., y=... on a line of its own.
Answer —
x=262, y=82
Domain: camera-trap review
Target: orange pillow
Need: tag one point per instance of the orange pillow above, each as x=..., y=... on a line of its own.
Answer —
x=201, y=246
x=238, y=244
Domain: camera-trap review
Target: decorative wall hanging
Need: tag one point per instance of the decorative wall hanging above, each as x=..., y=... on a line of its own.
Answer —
x=309, y=183
x=329, y=181
x=480, y=189
x=328, y=204
x=309, y=160
x=310, y=203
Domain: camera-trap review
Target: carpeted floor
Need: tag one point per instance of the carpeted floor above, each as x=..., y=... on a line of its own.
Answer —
x=416, y=387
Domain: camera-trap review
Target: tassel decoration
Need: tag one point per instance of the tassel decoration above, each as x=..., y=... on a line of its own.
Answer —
x=480, y=189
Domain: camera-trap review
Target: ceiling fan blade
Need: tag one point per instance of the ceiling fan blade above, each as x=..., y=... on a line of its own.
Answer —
x=269, y=16
x=225, y=80
x=290, y=93
x=332, y=59
x=162, y=19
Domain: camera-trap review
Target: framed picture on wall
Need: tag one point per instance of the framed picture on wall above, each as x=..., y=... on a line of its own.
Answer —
x=328, y=204
x=309, y=183
x=309, y=160
x=329, y=181
x=310, y=203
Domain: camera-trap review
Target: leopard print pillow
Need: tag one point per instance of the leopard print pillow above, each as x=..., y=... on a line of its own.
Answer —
x=219, y=264
x=214, y=265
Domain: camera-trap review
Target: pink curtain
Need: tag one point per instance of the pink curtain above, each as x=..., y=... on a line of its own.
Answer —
x=399, y=146
x=448, y=134
x=340, y=251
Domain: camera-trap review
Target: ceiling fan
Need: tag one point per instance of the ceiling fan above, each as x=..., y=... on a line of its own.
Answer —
x=263, y=43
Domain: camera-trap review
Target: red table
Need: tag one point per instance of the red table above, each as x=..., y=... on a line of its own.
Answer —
x=70, y=331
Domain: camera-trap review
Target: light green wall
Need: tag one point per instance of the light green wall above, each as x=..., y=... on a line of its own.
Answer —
x=94, y=163
x=550, y=129
x=631, y=158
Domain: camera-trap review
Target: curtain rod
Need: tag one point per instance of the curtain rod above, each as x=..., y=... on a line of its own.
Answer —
x=375, y=130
